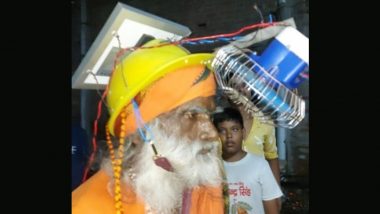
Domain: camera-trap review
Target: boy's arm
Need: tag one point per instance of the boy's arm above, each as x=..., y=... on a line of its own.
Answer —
x=271, y=190
x=271, y=155
x=271, y=206
x=275, y=167
x=270, y=150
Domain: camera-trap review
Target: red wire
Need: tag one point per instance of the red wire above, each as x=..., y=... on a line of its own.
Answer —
x=232, y=34
x=249, y=27
x=95, y=134
x=94, y=145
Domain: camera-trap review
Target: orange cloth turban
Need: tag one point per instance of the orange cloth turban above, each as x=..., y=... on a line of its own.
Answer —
x=169, y=92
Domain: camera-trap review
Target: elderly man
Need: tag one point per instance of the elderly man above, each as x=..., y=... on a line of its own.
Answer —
x=159, y=99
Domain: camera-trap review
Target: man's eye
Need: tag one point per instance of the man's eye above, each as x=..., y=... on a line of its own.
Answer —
x=222, y=131
x=194, y=112
x=189, y=114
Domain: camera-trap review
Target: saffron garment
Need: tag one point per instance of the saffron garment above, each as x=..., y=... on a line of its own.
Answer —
x=93, y=197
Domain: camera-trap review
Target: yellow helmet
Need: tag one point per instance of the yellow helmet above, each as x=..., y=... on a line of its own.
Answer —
x=141, y=68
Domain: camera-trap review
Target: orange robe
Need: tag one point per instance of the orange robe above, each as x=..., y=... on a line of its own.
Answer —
x=93, y=197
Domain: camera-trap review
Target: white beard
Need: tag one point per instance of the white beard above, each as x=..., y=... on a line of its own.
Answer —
x=162, y=190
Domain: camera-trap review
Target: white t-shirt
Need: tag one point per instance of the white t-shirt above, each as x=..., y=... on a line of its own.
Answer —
x=250, y=182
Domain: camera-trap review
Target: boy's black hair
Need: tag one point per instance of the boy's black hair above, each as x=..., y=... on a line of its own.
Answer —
x=228, y=114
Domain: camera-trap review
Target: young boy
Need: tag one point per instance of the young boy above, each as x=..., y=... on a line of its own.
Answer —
x=252, y=186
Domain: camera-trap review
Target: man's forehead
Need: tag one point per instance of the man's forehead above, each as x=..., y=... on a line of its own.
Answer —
x=230, y=123
x=200, y=103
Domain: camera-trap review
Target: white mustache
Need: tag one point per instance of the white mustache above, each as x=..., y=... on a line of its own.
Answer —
x=207, y=148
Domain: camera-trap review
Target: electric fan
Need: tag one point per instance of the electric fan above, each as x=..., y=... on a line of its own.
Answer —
x=266, y=85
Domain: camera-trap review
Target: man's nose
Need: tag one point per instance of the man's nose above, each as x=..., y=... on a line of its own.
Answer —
x=208, y=131
x=229, y=134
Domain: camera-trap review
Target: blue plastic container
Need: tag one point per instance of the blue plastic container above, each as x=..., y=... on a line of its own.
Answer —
x=286, y=57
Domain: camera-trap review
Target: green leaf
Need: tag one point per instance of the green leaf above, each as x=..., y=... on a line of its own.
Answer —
x=245, y=205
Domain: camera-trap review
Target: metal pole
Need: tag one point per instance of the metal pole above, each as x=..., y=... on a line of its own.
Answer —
x=284, y=9
x=83, y=29
x=83, y=93
x=284, y=12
